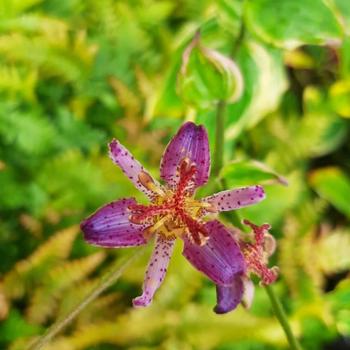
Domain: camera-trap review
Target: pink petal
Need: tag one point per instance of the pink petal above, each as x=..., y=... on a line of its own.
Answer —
x=220, y=258
x=191, y=141
x=235, y=199
x=156, y=270
x=229, y=297
x=130, y=166
x=109, y=226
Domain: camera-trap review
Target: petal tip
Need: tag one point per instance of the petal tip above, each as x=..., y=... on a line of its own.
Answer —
x=113, y=145
x=141, y=301
x=261, y=192
x=85, y=226
x=221, y=310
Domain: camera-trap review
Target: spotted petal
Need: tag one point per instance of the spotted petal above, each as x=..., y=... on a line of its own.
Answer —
x=237, y=198
x=109, y=226
x=220, y=258
x=156, y=270
x=229, y=297
x=131, y=167
x=190, y=142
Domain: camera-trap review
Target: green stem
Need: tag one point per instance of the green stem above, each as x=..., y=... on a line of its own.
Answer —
x=106, y=281
x=282, y=318
x=239, y=40
x=234, y=218
x=219, y=138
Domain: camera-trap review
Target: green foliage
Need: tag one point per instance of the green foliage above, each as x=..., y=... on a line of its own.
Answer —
x=290, y=23
x=74, y=74
x=263, y=87
x=243, y=173
x=334, y=185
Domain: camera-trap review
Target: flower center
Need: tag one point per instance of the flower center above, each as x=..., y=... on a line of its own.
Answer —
x=173, y=212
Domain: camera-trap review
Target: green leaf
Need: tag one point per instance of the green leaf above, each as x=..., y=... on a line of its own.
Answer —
x=321, y=130
x=291, y=23
x=264, y=84
x=332, y=184
x=343, y=7
x=247, y=172
x=279, y=200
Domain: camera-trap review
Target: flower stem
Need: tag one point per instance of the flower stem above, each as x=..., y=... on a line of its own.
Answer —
x=217, y=165
x=219, y=138
x=282, y=318
x=106, y=281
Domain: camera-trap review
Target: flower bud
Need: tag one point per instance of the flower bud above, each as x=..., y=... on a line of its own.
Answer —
x=206, y=76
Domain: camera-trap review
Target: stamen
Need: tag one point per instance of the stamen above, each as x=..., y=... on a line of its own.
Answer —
x=208, y=207
x=140, y=213
x=147, y=182
x=173, y=213
x=158, y=224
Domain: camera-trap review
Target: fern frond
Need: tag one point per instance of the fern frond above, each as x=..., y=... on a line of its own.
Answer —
x=30, y=132
x=333, y=252
x=45, y=298
x=126, y=97
x=72, y=295
x=52, y=55
x=4, y=305
x=33, y=269
x=15, y=7
x=32, y=23
x=206, y=332
x=13, y=81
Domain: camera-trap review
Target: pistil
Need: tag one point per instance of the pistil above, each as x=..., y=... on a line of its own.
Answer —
x=173, y=213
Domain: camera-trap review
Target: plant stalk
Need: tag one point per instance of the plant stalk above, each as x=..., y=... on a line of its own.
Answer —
x=217, y=165
x=106, y=281
x=282, y=318
x=219, y=138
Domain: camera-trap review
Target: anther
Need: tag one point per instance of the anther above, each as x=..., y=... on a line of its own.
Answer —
x=148, y=183
x=136, y=219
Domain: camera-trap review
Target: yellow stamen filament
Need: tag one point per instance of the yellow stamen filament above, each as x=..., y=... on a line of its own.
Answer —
x=158, y=224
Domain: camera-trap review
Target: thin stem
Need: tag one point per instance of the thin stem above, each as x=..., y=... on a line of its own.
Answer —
x=220, y=114
x=219, y=138
x=217, y=165
x=239, y=40
x=282, y=318
x=106, y=281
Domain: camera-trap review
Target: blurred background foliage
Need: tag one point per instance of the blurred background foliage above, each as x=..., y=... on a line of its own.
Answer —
x=75, y=73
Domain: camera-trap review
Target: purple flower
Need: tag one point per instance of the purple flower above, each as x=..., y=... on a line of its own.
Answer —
x=256, y=250
x=173, y=213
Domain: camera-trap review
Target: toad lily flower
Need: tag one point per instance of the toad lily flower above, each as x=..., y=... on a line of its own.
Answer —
x=173, y=213
x=256, y=249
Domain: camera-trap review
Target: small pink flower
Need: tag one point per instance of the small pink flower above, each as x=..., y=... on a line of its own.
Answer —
x=173, y=213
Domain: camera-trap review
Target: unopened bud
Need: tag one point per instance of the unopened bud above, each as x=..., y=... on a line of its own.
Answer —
x=206, y=76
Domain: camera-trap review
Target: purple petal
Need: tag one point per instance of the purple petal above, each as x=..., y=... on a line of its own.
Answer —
x=191, y=142
x=220, y=258
x=156, y=270
x=235, y=199
x=131, y=167
x=229, y=297
x=110, y=227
